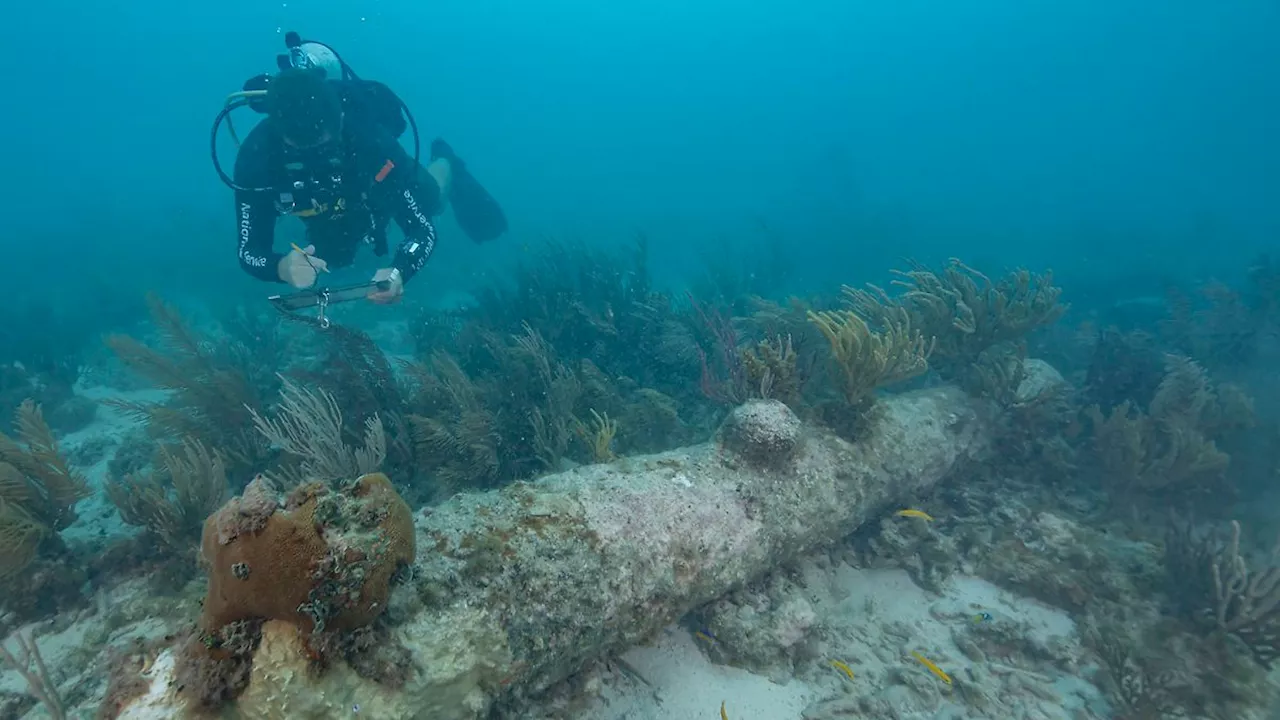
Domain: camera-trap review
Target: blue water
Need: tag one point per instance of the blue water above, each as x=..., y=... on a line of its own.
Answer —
x=1130, y=146
x=1109, y=140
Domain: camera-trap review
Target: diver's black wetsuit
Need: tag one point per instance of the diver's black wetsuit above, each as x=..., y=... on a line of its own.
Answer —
x=345, y=194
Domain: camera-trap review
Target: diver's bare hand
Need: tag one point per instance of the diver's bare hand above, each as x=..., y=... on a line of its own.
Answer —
x=301, y=267
x=395, y=287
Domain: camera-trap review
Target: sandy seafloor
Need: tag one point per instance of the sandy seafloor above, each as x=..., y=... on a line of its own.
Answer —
x=871, y=620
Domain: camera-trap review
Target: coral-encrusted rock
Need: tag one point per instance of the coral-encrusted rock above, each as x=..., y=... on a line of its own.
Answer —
x=323, y=561
x=1041, y=378
x=247, y=513
x=763, y=432
x=73, y=415
x=281, y=679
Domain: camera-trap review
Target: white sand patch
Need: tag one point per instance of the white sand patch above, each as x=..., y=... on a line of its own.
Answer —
x=685, y=684
x=967, y=596
x=111, y=421
x=889, y=599
x=886, y=618
x=96, y=516
x=77, y=654
x=55, y=648
x=872, y=620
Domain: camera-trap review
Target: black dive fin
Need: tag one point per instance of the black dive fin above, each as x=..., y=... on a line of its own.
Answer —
x=477, y=213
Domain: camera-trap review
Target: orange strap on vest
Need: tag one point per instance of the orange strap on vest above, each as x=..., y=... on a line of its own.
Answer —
x=384, y=172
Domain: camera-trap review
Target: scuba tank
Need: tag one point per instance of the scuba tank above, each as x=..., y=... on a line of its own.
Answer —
x=378, y=99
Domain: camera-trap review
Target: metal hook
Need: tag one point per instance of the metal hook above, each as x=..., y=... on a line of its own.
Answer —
x=324, y=304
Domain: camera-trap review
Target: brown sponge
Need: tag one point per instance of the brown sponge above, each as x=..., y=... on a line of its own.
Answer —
x=323, y=560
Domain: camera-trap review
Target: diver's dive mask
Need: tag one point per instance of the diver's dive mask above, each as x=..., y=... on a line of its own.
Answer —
x=312, y=54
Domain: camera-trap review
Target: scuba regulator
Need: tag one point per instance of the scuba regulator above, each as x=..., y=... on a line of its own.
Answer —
x=309, y=54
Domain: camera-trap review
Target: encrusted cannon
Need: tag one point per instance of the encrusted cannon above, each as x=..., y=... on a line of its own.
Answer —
x=514, y=590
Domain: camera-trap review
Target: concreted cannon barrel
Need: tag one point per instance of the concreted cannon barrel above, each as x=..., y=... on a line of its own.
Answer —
x=516, y=589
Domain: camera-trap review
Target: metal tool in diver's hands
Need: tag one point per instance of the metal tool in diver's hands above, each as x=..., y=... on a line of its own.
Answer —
x=323, y=297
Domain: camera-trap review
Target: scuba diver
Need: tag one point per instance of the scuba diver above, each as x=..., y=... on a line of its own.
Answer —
x=328, y=152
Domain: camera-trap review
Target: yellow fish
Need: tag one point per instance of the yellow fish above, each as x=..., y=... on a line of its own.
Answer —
x=723, y=715
x=910, y=512
x=932, y=668
x=842, y=668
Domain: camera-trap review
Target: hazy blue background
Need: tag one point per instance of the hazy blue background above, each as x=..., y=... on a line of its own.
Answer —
x=1095, y=136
